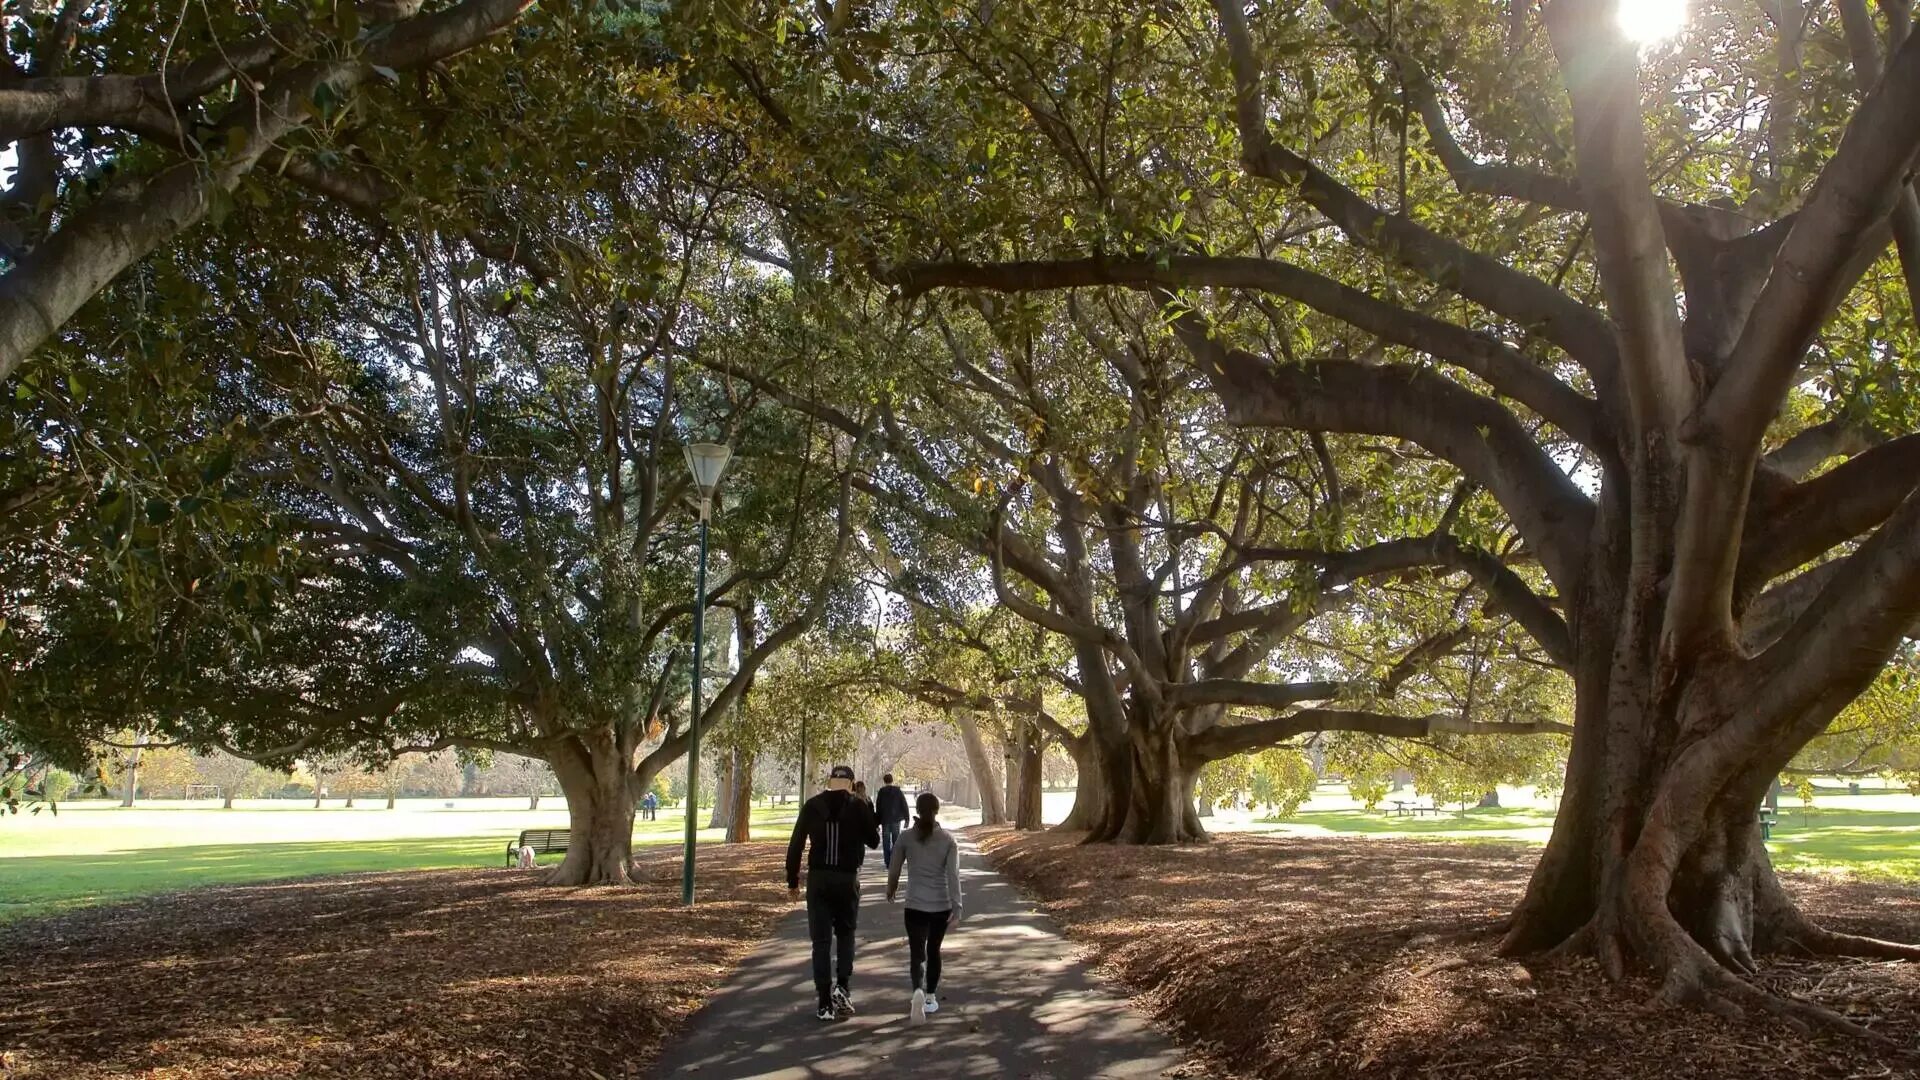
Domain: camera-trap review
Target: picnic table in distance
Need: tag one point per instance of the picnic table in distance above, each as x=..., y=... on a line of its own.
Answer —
x=1402, y=808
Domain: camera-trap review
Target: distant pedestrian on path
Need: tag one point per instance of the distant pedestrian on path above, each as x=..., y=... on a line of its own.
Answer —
x=890, y=806
x=650, y=806
x=931, y=858
x=839, y=827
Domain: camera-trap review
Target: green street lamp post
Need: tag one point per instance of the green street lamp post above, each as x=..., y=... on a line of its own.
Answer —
x=706, y=461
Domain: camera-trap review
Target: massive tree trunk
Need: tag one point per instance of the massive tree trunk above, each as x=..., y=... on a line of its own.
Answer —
x=602, y=794
x=723, y=780
x=992, y=810
x=1030, y=750
x=1656, y=855
x=1090, y=790
x=1656, y=849
x=740, y=809
x=1149, y=783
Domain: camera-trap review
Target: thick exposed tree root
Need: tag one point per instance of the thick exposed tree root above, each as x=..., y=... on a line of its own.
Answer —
x=1697, y=978
x=1819, y=941
x=1795, y=933
x=1696, y=981
x=1597, y=939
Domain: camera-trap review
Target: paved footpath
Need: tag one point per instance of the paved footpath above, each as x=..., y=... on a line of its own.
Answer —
x=1014, y=1003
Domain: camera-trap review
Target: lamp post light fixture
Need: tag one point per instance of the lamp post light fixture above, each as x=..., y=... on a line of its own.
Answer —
x=706, y=461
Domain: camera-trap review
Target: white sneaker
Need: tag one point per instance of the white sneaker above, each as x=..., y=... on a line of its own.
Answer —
x=933, y=1005
x=917, y=1008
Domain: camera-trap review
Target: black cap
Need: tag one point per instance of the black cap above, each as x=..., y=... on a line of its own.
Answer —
x=841, y=772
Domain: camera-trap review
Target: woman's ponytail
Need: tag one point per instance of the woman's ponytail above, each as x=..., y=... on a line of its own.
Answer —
x=927, y=806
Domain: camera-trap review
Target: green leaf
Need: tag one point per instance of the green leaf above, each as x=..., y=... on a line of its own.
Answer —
x=217, y=469
x=326, y=101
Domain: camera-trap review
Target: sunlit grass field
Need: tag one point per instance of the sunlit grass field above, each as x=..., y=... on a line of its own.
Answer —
x=1872, y=835
x=95, y=852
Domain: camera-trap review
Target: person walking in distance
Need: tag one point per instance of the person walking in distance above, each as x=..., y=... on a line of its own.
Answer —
x=839, y=827
x=890, y=806
x=931, y=859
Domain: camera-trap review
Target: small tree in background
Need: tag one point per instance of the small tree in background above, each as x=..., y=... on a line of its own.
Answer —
x=512, y=774
x=168, y=772
x=235, y=777
x=356, y=780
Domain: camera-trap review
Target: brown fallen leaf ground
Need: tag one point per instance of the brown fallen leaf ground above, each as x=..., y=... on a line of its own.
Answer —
x=1325, y=958
x=474, y=974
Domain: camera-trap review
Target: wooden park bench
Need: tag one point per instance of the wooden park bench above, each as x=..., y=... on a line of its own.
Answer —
x=542, y=841
x=1407, y=809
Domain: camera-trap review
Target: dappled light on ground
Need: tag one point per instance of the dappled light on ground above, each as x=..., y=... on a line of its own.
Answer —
x=1858, y=843
x=1015, y=1002
x=1305, y=957
x=477, y=974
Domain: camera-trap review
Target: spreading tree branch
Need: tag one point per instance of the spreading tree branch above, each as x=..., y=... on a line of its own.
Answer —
x=1475, y=433
x=1226, y=740
x=1505, y=368
x=1578, y=330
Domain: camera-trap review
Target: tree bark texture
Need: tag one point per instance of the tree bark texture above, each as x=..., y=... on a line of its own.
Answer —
x=1090, y=790
x=740, y=812
x=993, y=811
x=1030, y=750
x=723, y=782
x=602, y=796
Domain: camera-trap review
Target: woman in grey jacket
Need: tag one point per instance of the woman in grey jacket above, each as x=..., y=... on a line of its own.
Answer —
x=931, y=858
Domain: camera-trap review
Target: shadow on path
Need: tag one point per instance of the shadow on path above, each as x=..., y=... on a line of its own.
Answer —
x=1014, y=1003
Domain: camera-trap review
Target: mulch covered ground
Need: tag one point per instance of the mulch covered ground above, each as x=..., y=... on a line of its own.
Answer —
x=1281, y=957
x=474, y=974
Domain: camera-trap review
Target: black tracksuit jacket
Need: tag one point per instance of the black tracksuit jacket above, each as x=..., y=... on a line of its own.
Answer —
x=839, y=827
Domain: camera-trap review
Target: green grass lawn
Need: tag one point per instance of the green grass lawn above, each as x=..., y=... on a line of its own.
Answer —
x=94, y=853
x=1493, y=823
x=1831, y=838
x=1866, y=843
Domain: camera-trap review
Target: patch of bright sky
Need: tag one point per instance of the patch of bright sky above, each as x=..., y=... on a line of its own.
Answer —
x=1649, y=22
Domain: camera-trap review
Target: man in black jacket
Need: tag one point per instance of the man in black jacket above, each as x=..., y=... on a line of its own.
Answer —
x=840, y=828
x=890, y=806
